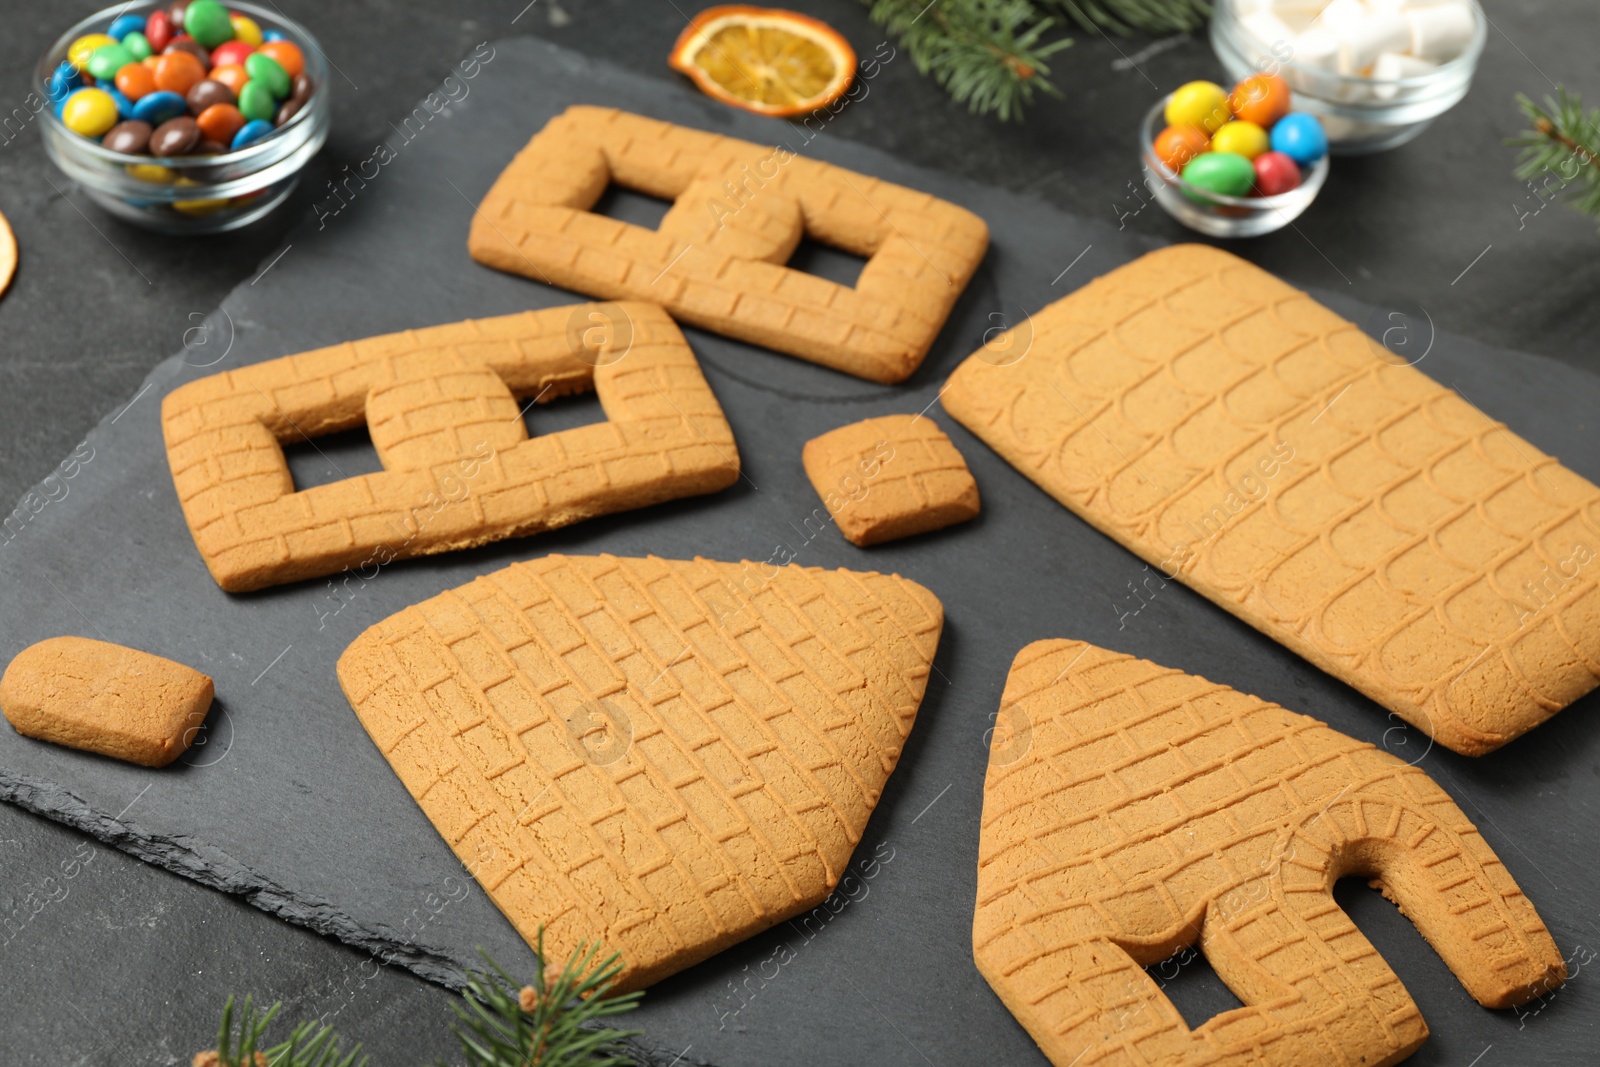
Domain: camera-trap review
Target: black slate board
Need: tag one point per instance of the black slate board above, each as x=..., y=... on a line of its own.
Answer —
x=289, y=803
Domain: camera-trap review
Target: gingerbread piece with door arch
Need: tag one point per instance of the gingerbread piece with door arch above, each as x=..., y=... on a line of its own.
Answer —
x=718, y=259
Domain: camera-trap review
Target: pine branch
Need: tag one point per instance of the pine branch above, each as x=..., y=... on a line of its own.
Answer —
x=1564, y=145
x=1148, y=16
x=987, y=54
x=308, y=1044
x=549, y=1023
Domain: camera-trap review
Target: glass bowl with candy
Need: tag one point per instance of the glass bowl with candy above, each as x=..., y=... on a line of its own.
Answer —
x=185, y=117
x=1233, y=164
x=1375, y=72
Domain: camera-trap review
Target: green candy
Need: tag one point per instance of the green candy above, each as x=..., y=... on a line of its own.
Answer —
x=207, y=22
x=1227, y=173
x=138, y=46
x=105, y=61
x=267, y=71
x=256, y=101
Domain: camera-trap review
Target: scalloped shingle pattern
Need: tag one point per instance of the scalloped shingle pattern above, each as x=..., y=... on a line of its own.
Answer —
x=667, y=756
x=443, y=407
x=1131, y=810
x=1232, y=431
x=717, y=260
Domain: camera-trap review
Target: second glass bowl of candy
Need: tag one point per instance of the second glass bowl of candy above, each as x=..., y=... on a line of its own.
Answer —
x=185, y=117
x=1376, y=73
x=1233, y=164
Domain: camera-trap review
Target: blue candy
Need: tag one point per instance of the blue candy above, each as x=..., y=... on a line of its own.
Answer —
x=1300, y=137
x=251, y=132
x=124, y=105
x=156, y=108
x=63, y=81
x=123, y=25
x=273, y=35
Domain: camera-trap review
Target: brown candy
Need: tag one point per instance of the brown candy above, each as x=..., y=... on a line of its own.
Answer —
x=176, y=10
x=190, y=45
x=289, y=110
x=132, y=137
x=208, y=92
x=301, y=87
x=175, y=137
x=209, y=148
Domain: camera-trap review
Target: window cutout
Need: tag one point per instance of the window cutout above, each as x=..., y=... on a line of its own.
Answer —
x=331, y=458
x=562, y=413
x=825, y=261
x=629, y=205
x=1186, y=979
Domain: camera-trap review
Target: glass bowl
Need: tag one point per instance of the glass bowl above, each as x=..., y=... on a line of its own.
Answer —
x=1213, y=213
x=1358, y=114
x=190, y=194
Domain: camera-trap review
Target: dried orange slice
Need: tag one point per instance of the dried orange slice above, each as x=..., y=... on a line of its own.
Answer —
x=765, y=60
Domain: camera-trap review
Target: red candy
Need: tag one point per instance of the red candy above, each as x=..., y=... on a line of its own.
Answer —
x=158, y=30
x=230, y=52
x=1276, y=173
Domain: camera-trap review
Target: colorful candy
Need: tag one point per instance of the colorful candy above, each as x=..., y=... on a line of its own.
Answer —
x=90, y=112
x=264, y=69
x=1198, y=103
x=79, y=51
x=1176, y=145
x=1241, y=138
x=188, y=78
x=123, y=25
x=175, y=137
x=1221, y=172
x=245, y=30
x=159, y=106
x=286, y=54
x=207, y=22
x=1276, y=174
x=1261, y=98
x=251, y=132
x=1300, y=137
x=1258, y=147
x=131, y=137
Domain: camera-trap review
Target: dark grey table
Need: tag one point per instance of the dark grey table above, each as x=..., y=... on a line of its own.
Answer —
x=103, y=959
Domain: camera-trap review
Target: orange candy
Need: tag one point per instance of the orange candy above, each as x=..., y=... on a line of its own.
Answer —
x=287, y=55
x=1261, y=98
x=135, y=80
x=233, y=75
x=220, y=122
x=1177, y=145
x=178, y=72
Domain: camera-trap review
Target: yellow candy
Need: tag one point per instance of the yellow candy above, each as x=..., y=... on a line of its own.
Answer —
x=1241, y=138
x=90, y=112
x=79, y=51
x=246, y=30
x=197, y=208
x=152, y=172
x=1202, y=104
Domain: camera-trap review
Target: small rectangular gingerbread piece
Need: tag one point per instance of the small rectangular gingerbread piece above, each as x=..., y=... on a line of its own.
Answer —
x=105, y=698
x=890, y=477
x=718, y=259
x=1246, y=440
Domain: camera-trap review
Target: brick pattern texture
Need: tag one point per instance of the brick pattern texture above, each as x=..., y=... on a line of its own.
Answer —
x=890, y=477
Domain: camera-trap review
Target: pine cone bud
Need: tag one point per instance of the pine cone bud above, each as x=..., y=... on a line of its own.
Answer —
x=209, y=1058
x=527, y=999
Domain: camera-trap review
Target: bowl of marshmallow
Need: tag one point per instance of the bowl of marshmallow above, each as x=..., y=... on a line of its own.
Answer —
x=1375, y=72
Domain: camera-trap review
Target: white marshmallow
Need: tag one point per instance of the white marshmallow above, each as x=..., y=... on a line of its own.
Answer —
x=1361, y=43
x=1392, y=66
x=1316, y=48
x=1442, y=31
x=1340, y=16
x=1266, y=28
